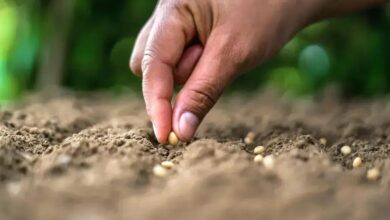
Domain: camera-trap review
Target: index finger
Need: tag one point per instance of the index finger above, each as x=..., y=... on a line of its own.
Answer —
x=167, y=40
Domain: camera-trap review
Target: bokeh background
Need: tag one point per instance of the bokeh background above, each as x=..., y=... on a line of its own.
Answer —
x=85, y=45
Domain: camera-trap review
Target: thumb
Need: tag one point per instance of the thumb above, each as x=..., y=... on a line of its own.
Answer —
x=215, y=70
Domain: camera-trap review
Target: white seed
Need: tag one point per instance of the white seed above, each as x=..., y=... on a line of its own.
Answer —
x=258, y=158
x=259, y=150
x=323, y=141
x=172, y=139
x=357, y=162
x=250, y=137
x=373, y=174
x=160, y=171
x=346, y=150
x=269, y=162
x=168, y=164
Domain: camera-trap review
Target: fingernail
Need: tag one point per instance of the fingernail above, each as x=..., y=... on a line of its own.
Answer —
x=155, y=131
x=188, y=124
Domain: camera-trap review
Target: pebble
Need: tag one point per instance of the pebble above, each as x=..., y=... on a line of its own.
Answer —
x=258, y=158
x=357, y=162
x=168, y=164
x=160, y=171
x=172, y=139
x=269, y=162
x=259, y=150
x=346, y=150
x=373, y=174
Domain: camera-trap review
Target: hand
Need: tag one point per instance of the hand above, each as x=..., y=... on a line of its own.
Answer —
x=205, y=45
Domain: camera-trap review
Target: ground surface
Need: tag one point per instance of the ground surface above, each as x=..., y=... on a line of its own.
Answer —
x=93, y=158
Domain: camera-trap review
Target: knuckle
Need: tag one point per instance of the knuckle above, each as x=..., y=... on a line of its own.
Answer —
x=202, y=100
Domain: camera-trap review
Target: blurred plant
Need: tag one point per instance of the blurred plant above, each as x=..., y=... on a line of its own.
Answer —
x=85, y=45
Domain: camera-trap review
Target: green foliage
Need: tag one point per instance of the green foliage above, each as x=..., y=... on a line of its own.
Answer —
x=352, y=52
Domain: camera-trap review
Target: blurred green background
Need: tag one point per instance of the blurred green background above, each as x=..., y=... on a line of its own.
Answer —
x=85, y=46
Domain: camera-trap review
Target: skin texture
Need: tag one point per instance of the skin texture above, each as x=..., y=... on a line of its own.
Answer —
x=205, y=44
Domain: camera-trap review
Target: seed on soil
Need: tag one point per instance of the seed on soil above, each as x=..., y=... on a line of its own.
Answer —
x=250, y=137
x=373, y=174
x=259, y=150
x=172, y=139
x=323, y=141
x=258, y=158
x=357, y=162
x=168, y=164
x=160, y=171
x=269, y=162
x=346, y=150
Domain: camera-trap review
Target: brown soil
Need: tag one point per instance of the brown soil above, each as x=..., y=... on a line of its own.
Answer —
x=93, y=159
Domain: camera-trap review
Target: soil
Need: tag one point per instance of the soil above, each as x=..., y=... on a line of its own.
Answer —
x=92, y=158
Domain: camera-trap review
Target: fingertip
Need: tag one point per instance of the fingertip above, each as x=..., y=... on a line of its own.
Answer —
x=161, y=115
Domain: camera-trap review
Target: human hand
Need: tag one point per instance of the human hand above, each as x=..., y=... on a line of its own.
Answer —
x=230, y=37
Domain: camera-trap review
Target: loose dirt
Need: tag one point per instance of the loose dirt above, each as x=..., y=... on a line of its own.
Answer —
x=93, y=158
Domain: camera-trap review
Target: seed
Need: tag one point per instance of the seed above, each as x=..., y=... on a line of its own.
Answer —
x=168, y=164
x=269, y=162
x=373, y=174
x=346, y=150
x=259, y=150
x=159, y=171
x=250, y=137
x=172, y=139
x=323, y=141
x=357, y=162
x=258, y=158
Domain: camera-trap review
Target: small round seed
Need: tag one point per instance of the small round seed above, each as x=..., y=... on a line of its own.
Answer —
x=250, y=137
x=346, y=150
x=259, y=150
x=172, y=139
x=258, y=158
x=159, y=171
x=168, y=164
x=373, y=174
x=269, y=162
x=357, y=162
x=323, y=141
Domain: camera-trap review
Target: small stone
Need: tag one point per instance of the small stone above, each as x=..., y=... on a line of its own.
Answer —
x=259, y=150
x=269, y=162
x=258, y=158
x=323, y=141
x=160, y=171
x=172, y=139
x=357, y=162
x=373, y=174
x=168, y=164
x=346, y=150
